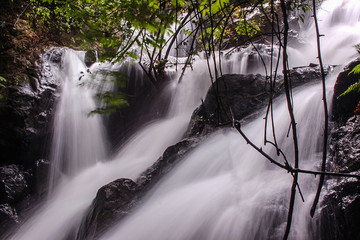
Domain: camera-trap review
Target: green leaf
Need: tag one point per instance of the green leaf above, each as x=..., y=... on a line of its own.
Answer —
x=356, y=70
x=354, y=87
x=132, y=55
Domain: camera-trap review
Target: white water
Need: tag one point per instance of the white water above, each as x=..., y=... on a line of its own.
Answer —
x=74, y=194
x=223, y=189
x=78, y=140
x=226, y=190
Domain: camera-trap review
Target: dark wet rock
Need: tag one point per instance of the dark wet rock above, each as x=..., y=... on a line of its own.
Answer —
x=41, y=173
x=54, y=55
x=26, y=112
x=112, y=202
x=242, y=95
x=90, y=58
x=172, y=155
x=25, y=116
x=345, y=146
x=13, y=184
x=340, y=213
x=340, y=210
x=8, y=217
x=344, y=106
x=146, y=102
x=116, y=199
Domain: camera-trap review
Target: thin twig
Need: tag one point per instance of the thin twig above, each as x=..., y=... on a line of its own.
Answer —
x=292, y=117
x=326, y=114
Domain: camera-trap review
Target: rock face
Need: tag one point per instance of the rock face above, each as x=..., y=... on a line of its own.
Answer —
x=343, y=107
x=340, y=215
x=14, y=193
x=25, y=116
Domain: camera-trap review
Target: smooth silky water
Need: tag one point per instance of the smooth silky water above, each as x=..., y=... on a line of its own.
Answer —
x=223, y=189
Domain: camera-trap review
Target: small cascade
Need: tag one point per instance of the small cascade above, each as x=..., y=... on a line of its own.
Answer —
x=226, y=190
x=78, y=140
x=73, y=195
x=253, y=59
x=339, y=22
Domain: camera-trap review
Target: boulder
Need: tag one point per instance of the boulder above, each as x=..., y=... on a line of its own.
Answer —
x=90, y=58
x=242, y=95
x=116, y=199
x=14, y=184
x=112, y=202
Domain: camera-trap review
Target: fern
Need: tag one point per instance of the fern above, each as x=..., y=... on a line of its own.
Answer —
x=354, y=87
x=357, y=47
x=356, y=70
x=2, y=79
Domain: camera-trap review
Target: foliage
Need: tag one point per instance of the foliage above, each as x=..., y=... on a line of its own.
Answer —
x=145, y=30
x=356, y=70
x=355, y=86
x=357, y=47
x=2, y=80
x=351, y=88
x=112, y=101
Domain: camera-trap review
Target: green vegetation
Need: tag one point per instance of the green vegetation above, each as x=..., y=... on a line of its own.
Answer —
x=2, y=80
x=146, y=30
x=355, y=86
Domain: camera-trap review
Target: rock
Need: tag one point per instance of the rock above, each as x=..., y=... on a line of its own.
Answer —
x=116, y=199
x=112, y=202
x=90, y=58
x=25, y=116
x=13, y=184
x=172, y=155
x=41, y=173
x=340, y=208
x=343, y=107
x=54, y=55
x=26, y=112
x=8, y=217
x=345, y=146
x=244, y=95
x=146, y=103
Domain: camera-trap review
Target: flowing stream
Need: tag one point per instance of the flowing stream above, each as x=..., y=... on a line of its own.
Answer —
x=223, y=189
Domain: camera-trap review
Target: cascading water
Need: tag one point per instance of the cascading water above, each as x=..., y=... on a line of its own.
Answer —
x=226, y=190
x=74, y=194
x=222, y=190
x=78, y=140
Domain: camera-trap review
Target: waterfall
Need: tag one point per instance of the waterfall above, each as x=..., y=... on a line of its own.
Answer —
x=223, y=189
x=78, y=140
x=73, y=195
